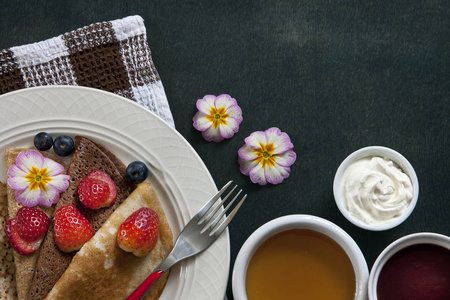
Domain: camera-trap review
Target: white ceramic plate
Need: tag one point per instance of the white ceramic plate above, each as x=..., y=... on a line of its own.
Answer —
x=131, y=132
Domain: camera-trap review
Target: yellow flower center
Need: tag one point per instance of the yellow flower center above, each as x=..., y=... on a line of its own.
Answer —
x=38, y=178
x=265, y=156
x=218, y=116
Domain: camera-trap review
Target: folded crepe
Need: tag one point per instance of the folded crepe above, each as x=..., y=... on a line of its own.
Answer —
x=101, y=270
x=88, y=156
x=25, y=265
x=7, y=278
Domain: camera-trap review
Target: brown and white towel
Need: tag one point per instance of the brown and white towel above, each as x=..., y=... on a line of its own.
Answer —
x=112, y=56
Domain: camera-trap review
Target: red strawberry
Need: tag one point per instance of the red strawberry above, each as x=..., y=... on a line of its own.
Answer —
x=32, y=223
x=97, y=190
x=139, y=232
x=72, y=229
x=21, y=246
x=100, y=175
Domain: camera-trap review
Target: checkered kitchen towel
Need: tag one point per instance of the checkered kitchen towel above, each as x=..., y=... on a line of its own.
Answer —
x=112, y=56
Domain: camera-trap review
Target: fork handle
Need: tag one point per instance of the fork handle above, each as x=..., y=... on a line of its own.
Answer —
x=142, y=289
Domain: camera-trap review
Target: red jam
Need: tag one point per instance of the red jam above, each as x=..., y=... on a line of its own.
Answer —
x=417, y=272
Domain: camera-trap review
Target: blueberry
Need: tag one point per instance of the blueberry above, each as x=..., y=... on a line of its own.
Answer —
x=137, y=172
x=63, y=145
x=43, y=141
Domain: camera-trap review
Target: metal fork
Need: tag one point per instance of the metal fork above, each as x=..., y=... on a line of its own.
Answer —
x=201, y=231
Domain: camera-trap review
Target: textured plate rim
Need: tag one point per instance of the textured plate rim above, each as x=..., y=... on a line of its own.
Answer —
x=200, y=288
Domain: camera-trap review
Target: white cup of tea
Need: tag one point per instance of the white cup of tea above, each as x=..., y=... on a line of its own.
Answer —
x=318, y=239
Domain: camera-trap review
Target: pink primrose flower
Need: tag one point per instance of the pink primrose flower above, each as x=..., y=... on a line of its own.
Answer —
x=267, y=156
x=218, y=118
x=37, y=180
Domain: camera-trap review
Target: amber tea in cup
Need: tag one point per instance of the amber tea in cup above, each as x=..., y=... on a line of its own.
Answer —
x=300, y=262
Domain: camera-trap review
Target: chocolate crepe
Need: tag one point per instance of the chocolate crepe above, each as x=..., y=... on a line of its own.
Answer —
x=25, y=265
x=87, y=157
x=7, y=278
x=102, y=270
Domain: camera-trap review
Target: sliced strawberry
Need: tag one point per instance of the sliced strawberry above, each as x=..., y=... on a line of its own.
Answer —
x=32, y=223
x=97, y=190
x=21, y=246
x=72, y=229
x=139, y=232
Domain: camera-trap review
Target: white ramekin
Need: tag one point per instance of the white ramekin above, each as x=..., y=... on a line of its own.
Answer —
x=401, y=243
x=299, y=222
x=383, y=152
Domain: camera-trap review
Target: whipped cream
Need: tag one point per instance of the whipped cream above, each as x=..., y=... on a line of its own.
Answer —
x=376, y=190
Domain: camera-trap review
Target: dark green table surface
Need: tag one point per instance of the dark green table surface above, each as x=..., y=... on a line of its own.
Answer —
x=335, y=75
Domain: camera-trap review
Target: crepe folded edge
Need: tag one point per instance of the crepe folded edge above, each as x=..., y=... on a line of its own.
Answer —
x=101, y=270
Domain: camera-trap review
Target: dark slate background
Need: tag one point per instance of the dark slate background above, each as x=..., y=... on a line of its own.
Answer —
x=335, y=75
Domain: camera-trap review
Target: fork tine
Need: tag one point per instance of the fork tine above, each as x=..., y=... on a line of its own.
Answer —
x=208, y=204
x=218, y=230
x=213, y=209
x=219, y=217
